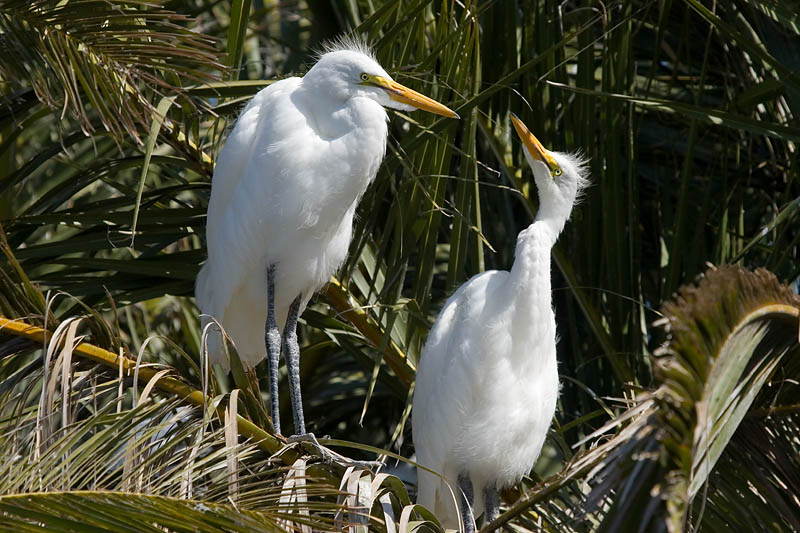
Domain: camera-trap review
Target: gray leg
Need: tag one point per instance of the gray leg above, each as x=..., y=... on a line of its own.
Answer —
x=466, y=500
x=291, y=350
x=492, y=502
x=272, y=337
x=292, y=354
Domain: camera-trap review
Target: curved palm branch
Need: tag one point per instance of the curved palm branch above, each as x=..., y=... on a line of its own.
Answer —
x=725, y=375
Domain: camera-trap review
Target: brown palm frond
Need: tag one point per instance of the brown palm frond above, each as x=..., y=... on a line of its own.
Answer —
x=724, y=384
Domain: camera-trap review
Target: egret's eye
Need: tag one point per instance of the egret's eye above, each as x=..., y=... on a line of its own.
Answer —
x=364, y=76
x=556, y=172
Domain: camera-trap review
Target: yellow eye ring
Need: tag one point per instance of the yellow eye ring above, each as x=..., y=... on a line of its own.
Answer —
x=364, y=76
x=557, y=172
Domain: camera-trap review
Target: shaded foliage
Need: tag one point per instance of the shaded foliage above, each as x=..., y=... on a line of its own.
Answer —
x=112, y=113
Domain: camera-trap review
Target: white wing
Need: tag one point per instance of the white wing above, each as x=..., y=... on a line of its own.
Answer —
x=444, y=383
x=249, y=133
x=242, y=172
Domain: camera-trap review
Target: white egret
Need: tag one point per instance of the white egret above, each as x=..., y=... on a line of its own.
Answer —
x=283, y=196
x=487, y=380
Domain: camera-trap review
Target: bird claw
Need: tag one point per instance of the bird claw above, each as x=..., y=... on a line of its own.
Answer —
x=329, y=456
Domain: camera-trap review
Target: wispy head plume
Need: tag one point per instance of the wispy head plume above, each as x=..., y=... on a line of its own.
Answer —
x=349, y=42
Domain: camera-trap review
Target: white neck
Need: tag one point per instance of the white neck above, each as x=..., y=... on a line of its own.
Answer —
x=554, y=213
x=530, y=301
x=531, y=269
x=532, y=256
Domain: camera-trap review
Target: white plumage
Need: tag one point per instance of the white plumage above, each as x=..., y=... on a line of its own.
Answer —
x=284, y=193
x=487, y=381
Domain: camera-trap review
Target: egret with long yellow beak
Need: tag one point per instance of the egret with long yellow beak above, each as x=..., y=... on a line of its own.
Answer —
x=487, y=380
x=283, y=196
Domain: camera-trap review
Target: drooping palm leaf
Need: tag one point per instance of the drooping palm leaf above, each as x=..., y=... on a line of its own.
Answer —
x=725, y=375
x=79, y=452
x=105, y=59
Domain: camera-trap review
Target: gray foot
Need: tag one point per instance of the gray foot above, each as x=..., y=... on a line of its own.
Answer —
x=466, y=501
x=272, y=338
x=329, y=456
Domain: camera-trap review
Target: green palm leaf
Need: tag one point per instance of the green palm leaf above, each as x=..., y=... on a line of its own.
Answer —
x=108, y=58
x=732, y=342
x=90, y=511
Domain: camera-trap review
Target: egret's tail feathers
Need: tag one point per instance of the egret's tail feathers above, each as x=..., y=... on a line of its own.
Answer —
x=204, y=294
x=212, y=337
x=426, y=489
x=435, y=494
x=203, y=290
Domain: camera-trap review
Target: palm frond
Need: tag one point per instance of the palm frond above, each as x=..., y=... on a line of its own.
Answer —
x=732, y=344
x=103, y=59
x=90, y=438
x=120, y=511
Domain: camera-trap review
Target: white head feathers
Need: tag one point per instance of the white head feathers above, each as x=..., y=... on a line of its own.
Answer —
x=347, y=42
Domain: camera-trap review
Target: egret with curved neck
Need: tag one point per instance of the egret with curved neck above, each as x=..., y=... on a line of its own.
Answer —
x=283, y=196
x=487, y=381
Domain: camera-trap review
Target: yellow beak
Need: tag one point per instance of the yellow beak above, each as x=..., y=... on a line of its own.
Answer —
x=404, y=95
x=533, y=145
